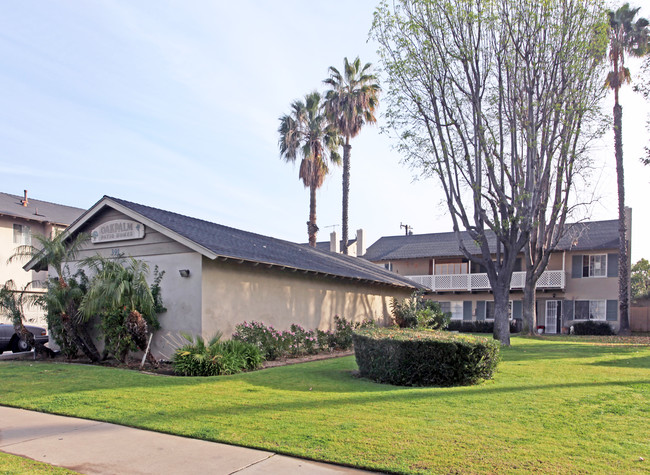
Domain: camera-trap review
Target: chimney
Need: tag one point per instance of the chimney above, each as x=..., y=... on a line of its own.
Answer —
x=25, y=200
x=361, y=243
x=334, y=243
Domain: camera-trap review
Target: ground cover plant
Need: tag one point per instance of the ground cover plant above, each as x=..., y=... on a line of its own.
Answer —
x=555, y=405
x=408, y=357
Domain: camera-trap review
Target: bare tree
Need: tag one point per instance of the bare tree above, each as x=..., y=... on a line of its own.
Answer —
x=484, y=96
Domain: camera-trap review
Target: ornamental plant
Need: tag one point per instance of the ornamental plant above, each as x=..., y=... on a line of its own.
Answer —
x=216, y=357
x=407, y=357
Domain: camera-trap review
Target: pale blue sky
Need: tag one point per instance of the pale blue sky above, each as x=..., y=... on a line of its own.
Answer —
x=175, y=104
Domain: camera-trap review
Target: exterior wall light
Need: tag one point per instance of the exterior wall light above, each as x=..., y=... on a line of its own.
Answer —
x=184, y=272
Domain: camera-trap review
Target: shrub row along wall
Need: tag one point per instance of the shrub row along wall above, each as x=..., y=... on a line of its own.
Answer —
x=408, y=357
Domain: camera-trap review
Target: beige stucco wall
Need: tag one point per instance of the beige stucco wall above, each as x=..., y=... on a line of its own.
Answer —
x=14, y=270
x=234, y=293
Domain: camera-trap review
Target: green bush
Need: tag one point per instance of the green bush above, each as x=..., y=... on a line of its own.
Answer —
x=480, y=326
x=297, y=341
x=408, y=357
x=216, y=358
x=418, y=312
x=592, y=328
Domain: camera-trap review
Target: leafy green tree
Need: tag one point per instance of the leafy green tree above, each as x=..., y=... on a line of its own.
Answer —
x=350, y=104
x=626, y=37
x=640, y=279
x=491, y=98
x=307, y=133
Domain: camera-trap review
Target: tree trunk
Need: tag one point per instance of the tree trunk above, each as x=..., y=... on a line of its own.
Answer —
x=623, y=268
x=71, y=330
x=529, y=305
x=346, y=195
x=501, y=323
x=23, y=333
x=312, y=229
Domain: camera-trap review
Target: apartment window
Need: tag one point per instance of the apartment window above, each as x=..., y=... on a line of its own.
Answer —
x=489, y=310
x=388, y=266
x=454, y=308
x=22, y=235
x=594, y=265
x=451, y=268
x=590, y=310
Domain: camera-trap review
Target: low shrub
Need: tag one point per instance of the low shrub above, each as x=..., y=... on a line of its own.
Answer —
x=418, y=312
x=408, y=357
x=480, y=326
x=592, y=328
x=297, y=341
x=216, y=358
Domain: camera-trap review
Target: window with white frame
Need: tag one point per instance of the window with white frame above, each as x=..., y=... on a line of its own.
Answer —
x=590, y=310
x=594, y=265
x=388, y=266
x=454, y=308
x=451, y=268
x=489, y=310
x=22, y=235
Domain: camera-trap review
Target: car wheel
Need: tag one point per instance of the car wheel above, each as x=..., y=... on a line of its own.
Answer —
x=20, y=345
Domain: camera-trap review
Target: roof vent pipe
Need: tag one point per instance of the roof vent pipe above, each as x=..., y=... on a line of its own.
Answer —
x=25, y=200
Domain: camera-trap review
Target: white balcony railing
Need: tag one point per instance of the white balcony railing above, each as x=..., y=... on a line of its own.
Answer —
x=550, y=279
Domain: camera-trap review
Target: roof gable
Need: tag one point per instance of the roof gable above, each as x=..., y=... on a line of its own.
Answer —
x=214, y=240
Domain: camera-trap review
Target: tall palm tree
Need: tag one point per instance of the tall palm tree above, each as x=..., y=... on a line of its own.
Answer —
x=308, y=133
x=626, y=37
x=350, y=104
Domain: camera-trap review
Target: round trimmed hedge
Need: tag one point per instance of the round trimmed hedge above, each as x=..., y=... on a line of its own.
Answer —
x=408, y=357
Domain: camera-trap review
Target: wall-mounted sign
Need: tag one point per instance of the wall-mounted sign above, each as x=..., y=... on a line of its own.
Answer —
x=117, y=230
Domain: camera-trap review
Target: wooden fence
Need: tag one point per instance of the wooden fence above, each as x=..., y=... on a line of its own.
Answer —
x=640, y=319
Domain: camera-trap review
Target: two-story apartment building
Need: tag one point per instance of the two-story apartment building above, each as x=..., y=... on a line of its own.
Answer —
x=580, y=282
x=22, y=217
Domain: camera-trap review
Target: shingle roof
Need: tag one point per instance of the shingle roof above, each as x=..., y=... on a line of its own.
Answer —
x=594, y=235
x=242, y=245
x=325, y=245
x=37, y=210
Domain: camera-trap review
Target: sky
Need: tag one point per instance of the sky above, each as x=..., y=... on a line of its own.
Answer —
x=176, y=105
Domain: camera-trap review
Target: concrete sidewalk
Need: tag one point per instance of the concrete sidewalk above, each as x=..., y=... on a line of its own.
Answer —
x=92, y=447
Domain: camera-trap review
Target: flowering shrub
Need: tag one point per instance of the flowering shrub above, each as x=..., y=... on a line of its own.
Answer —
x=297, y=341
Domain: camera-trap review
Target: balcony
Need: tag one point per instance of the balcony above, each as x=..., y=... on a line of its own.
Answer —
x=550, y=279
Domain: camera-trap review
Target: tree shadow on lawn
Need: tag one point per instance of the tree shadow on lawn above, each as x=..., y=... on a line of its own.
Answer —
x=568, y=350
x=399, y=395
x=638, y=362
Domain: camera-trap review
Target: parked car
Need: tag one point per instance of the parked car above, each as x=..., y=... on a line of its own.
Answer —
x=10, y=341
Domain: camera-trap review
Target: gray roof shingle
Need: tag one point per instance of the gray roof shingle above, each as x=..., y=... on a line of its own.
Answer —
x=38, y=210
x=237, y=244
x=585, y=236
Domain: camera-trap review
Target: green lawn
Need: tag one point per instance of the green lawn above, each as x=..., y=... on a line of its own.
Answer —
x=554, y=406
x=13, y=465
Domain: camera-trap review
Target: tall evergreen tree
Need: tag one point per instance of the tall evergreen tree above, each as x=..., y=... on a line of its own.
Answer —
x=626, y=37
x=350, y=104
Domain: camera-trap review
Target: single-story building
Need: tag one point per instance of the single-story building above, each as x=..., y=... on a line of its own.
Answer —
x=217, y=276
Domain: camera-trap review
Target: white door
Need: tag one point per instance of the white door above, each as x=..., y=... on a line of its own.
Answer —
x=552, y=308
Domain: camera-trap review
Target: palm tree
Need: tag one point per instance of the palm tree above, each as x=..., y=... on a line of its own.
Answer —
x=12, y=304
x=350, y=103
x=61, y=302
x=308, y=133
x=52, y=252
x=626, y=37
x=121, y=284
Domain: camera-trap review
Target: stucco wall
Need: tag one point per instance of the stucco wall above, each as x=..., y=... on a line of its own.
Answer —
x=412, y=266
x=14, y=270
x=233, y=293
